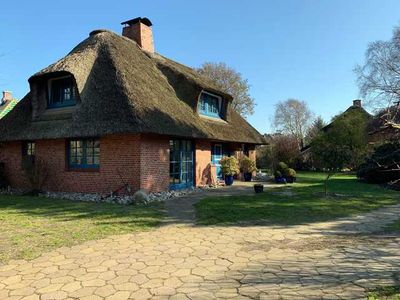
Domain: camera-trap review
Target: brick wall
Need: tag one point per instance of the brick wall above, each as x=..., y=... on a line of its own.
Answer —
x=142, y=161
x=119, y=163
x=154, y=163
x=11, y=156
x=204, y=172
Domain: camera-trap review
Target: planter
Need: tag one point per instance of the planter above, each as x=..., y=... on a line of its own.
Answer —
x=228, y=179
x=280, y=180
x=290, y=179
x=258, y=188
x=247, y=176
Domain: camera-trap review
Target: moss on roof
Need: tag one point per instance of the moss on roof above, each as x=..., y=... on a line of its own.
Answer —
x=7, y=106
x=124, y=89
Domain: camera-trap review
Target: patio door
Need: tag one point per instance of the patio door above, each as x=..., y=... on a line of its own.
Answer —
x=181, y=164
x=216, y=155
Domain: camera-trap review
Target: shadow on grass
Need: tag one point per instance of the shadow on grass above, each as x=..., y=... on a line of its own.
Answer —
x=67, y=210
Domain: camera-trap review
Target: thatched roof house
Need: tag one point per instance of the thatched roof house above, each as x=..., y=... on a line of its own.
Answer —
x=111, y=85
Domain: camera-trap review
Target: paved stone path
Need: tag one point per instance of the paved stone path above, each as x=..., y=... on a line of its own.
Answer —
x=332, y=260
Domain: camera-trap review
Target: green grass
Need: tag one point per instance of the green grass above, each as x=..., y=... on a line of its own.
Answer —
x=388, y=292
x=306, y=204
x=394, y=227
x=33, y=225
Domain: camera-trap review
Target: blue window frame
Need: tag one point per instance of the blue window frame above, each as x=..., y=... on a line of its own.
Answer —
x=61, y=92
x=210, y=105
x=84, y=154
x=181, y=164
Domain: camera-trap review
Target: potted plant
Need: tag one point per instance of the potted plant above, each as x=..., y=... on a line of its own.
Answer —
x=258, y=188
x=290, y=175
x=279, y=178
x=229, y=167
x=247, y=166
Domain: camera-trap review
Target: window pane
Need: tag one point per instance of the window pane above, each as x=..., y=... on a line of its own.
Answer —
x=62, y=90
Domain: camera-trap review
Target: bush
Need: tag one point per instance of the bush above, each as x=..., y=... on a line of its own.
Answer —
x=282, y=167
x=289, y=172
x=247, y=165
x=229, y=166
x=278, y=174
x=382, y=165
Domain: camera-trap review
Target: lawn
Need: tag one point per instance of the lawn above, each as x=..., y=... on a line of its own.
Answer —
x=394, y=227
x=299, y=203
x=33, y=225
x=389, y=293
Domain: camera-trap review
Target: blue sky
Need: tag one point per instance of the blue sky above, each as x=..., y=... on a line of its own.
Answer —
x=304, y=49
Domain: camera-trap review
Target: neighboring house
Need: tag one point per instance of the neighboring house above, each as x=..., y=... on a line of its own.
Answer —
x=7, y=103
x=355, y=111
x=113, y=112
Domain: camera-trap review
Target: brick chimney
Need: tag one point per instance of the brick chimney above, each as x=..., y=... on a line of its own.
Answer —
x=7, y=95
x=140, y=31
x=357, y=103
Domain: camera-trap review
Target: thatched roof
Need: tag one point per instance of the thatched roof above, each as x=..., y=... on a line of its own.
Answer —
x=123, y=89
x=350, y=113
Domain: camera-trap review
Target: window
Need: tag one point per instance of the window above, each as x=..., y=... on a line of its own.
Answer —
x=28, y=154
x=61, y=92
x=84, y=154
x=28, y=150
x=210, y=105
x=181, y=164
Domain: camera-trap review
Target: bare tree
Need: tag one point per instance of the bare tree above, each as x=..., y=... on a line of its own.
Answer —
x=231, y=82
x=379, y=77
x=293, y=117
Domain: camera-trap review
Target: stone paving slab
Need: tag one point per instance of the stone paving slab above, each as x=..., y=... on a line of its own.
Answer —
x=317, y=261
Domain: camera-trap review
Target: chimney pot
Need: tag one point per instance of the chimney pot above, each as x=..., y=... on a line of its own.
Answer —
x=357, y=103
x=140, y=31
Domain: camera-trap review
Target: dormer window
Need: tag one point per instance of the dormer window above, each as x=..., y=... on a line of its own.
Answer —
x=61, y=92
x=210, y=105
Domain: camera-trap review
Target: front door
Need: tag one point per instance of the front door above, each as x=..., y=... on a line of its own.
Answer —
x=216, y=155
x=181, y=164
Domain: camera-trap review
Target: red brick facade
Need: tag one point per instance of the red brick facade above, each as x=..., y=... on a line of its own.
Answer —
x=205, y=173
x=154, y=163
x=142, y=161
x=119, y=164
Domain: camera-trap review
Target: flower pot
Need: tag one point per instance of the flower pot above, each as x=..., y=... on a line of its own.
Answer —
x=258, y=188
x=290, y=179
x=228, y=179
x=247, y=176
x=280, y=180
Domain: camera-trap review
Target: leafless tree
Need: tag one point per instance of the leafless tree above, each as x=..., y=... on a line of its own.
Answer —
x=230, y=81
x=293, y=117
x=379, y=77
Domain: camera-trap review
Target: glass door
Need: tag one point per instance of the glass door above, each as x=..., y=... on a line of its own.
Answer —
x=181, y=164
x=216, y=157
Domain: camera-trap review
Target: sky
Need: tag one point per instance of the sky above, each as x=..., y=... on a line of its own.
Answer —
x=302, y=49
